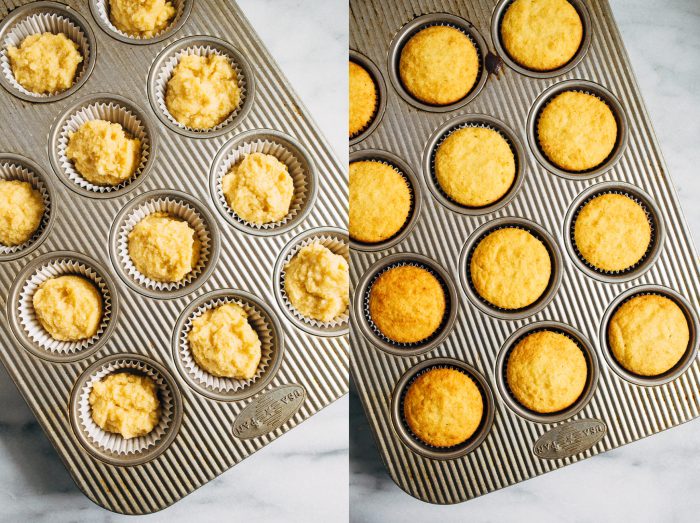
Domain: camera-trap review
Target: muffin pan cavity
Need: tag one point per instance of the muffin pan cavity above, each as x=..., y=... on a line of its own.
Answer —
x=45, y=17
x=363, y=318
x=497, y=19
x=162, y=70
x=112, y=448
x=261, y=318
x=655, y=222
x=380, y=86
x=288, y=151
x=587, y=87
x=462, y=122
x=423, y=22
x=411, y=440
x=111, y=108
x=591, y=380
x=100, y=11
x=23, y=318
x=414, y=187
x=683, y=364
x=16, y=167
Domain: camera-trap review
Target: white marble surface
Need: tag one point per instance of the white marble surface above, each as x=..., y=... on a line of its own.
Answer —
x=653, y=480
x=303, y=475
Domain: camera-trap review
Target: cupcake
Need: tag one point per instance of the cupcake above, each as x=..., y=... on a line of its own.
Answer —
x=443, y=407
x=577, y=131
x=546, y=372
x=541, y=35
x=612, y=232
x=139, y=18
x=439, y=65
x=380, y=201
x=475, y=166
x=407, y=304
x=363, y=98
x=21, y=211
x=648, y=334
x=510, y=268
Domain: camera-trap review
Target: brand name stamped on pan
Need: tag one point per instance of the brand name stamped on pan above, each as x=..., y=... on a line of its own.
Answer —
x=269, y=411
x=569, y=439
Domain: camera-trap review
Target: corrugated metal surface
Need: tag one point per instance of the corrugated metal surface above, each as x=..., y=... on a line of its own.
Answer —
x=204, y=447
x=629, y=411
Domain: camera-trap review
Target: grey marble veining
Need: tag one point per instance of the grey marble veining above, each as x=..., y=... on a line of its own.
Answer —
x=655, y=479
x=303, y=475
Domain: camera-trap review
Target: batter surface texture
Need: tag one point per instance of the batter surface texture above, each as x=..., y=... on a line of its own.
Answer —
x=144, y=18
x=21, y=211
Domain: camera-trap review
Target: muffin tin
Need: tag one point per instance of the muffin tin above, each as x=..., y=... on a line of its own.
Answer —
x=208, y=427
x=615, y=408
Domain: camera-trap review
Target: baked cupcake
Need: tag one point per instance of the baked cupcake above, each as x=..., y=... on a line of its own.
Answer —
x=541, y=35
x=68, y=307
x=648, y=334
x=475, y=166
x=443, y=407
x=510, y=268
x=45, y=63
x=363, y=99
x=125, y=404
x=612, y=232
x=546, y=372
x=103, y=153
x=163, y=247
x=439, y=65
x=407, y=304
x=21, y=211
x=141, y=18
x=380, y=201
x=577, y=131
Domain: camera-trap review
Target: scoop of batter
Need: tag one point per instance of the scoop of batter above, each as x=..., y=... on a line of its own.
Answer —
x=143, y=18
x=21, y=210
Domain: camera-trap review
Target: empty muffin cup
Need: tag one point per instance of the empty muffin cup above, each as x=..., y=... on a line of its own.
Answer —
x=101, y=12
x=288, y=151
x=179, y=206
x=363, y=317
x=593, y=371
x=162, y=70
x=260, y=317
x=24, y=320
x=111, y=108
x=401, y=167
x=586, y=87
x=335, y=240
x=535, y=230
x=111, y=447
x=655, y=224
x=412, y=441
x=685, y=361
x=380, y=87
x=45, y=17
x=411, y=29
x=16, y=167
x=467, y=121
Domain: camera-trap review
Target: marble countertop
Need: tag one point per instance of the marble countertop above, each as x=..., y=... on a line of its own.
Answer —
x=654, y=479
x=303, y=475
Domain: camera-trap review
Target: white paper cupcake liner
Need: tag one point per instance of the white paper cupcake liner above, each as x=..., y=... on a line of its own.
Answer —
x=43, y=23
x=14, y=171
x=299, y=175
x=28, y=317
x=166, y=72
x=336, y=246
x=220, y=384
x=178, y=209
x=115, y=443
x=101, y=10
x=111, y=112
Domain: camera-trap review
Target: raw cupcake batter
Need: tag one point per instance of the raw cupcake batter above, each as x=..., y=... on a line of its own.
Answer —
x=103, y=153
x=45, y=63
x=143, y=18
x=21, y=210
x=224, y=344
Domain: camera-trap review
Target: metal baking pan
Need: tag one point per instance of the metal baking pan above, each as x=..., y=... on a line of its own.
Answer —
x=616, y=408
x=206, y=430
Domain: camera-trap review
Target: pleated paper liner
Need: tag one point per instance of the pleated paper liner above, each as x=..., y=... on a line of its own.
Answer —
x=101, y=11
x=46, y=17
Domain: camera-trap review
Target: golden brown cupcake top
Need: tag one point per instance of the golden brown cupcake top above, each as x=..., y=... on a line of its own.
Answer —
x=363, y=98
